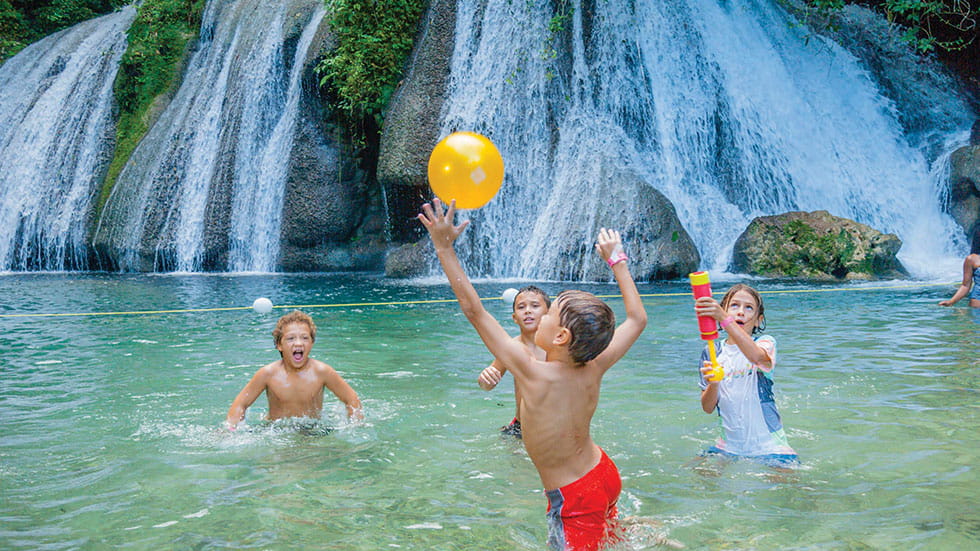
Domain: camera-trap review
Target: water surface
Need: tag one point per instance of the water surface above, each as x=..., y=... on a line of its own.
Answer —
x=110, y=424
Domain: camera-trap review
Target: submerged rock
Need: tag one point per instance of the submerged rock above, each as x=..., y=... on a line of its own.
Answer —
x=816, y=245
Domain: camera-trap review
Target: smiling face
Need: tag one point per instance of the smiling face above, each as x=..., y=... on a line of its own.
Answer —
x=529, y=307
x=295, y=344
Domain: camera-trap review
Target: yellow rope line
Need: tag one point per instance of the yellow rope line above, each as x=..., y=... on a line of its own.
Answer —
x=433, y=301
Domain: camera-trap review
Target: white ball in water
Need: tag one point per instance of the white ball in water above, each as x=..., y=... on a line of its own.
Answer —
x=262, y=305
x=509, y=296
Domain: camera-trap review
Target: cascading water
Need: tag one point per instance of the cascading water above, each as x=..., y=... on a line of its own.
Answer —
x=55, y=138
x=724, y=107
x=204, y=189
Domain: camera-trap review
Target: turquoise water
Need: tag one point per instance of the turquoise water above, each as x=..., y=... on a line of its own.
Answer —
x=110, y=439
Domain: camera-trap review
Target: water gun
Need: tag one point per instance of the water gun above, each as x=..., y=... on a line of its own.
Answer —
x=701, y=286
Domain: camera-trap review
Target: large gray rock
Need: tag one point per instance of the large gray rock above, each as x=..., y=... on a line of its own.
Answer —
x=411, y=126
x=664, y=249
x=411, y=259
x=327, y=221
x=816, y=245
x=964, y=197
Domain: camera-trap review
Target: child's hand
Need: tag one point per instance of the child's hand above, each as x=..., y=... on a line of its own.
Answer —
x=708, y=306
x=440, y=225
x=489, y=378
x=609, y=245
x=711, y=374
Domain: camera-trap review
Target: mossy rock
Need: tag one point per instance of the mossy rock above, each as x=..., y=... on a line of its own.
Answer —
x=816, y=245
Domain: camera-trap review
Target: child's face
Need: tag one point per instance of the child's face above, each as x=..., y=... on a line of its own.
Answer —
x=295, y=345
x=744, y=308
x=548, y=326
x=529, y=307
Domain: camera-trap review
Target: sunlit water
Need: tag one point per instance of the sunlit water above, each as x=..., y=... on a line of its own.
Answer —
x=110, y=438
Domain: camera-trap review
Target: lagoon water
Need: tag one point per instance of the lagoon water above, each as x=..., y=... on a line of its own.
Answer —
x=110, y=424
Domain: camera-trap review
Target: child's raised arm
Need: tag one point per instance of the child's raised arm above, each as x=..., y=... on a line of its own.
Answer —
x=440, y=226
x=708, y=306
x=609, y=245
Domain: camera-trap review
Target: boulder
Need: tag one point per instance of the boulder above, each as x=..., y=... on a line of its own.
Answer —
x=660, y=247
x=816, y=245
x=964, y=193
x=411, y=259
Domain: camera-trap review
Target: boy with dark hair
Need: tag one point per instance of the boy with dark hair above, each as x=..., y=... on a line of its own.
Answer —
x=559, y=394
x=530, y=304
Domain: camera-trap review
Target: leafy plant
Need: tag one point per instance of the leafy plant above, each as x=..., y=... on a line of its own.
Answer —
x=928, y=24
x=23, y=22
x=374, y=38
x=157, y=41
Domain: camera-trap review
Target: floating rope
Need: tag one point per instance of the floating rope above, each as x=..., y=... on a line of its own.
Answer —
x=433, y=301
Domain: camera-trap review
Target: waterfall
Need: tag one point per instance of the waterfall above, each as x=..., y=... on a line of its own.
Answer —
x=56, y=127
x=728, y=108
x=204, y=188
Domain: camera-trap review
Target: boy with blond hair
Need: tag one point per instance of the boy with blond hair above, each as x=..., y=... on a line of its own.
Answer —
x=294, y=383
x=558, y=394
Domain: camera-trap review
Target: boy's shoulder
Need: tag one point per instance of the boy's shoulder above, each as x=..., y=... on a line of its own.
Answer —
x=270, y=368
x=322, y=368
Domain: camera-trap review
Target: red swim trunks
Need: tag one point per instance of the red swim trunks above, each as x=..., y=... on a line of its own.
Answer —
x=582, y=515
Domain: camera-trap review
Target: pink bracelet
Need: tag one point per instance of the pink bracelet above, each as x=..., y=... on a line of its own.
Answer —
x=726, y=322
x=618, y=257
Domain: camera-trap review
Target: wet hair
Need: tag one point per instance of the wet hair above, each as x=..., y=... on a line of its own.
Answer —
x=534, y=290
x=590, y=321
x=727, y=299
x=293, y=317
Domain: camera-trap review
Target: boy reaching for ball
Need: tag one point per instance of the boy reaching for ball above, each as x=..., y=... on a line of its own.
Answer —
x=294, y=383
x=559, y=394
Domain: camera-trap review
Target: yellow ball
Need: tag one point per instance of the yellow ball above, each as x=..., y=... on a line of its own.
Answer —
x=467, y=167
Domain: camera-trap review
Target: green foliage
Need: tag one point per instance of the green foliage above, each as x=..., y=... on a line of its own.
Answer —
x=157, y=42
x=928, y=24
x=13, y=30
x=374, y=38
x=23, y=22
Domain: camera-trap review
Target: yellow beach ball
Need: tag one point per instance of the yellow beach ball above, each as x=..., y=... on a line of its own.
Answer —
x=467, y=167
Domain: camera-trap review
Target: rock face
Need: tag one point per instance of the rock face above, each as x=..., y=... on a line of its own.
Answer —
x=816, y=245
x=964, y=196
x=328, y=223
x=411, y=127
x=664, y=249
x=411, y=259
x=920, y=90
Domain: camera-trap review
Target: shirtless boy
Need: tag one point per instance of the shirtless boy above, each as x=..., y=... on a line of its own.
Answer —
x=530, y=304
x=294, y=383
x=558, y=394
